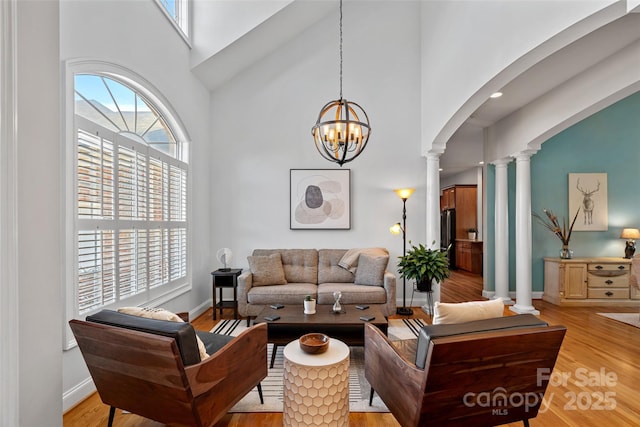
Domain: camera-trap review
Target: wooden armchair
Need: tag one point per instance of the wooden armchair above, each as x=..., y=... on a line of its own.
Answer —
x=478, y=379
x=137, y=370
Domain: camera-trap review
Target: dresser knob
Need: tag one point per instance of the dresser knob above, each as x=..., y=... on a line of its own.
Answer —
x=608, y=293
x=599, y=267
x=621, y=267
x=608, y=282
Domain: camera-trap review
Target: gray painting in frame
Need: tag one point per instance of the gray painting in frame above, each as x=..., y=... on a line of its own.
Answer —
x=320, y=199
x=588, y=192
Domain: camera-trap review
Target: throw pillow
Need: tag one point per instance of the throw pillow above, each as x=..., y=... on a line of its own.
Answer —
x=161, y=314
x=371, y=270
x=267, y=270
x=467, y=311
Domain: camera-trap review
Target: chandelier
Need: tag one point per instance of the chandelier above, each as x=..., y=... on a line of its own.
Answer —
x=342, y=130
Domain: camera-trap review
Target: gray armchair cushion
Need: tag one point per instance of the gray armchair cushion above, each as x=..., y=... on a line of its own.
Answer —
x=427, y=333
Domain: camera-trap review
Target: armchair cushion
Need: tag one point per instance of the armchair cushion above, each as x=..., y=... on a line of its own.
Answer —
x=182, y=332
x=267, y=270
x=429, y=332
x=371, y=270
x=467, y=311
x=162, y=314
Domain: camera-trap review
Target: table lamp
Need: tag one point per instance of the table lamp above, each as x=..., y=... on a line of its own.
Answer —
x=631, y=234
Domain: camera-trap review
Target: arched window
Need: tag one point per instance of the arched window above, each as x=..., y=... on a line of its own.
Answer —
x=130, y=196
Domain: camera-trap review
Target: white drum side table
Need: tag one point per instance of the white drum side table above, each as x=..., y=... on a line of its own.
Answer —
x=316, y=386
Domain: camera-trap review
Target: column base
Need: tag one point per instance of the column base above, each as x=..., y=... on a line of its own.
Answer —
x=505, y=301
x=524, y=310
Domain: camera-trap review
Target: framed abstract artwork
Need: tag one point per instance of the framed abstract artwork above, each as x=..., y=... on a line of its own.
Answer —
x=588, y=192
x=320, y=199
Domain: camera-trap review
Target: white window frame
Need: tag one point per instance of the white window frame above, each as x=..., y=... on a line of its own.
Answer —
x=182, y=22
x=150, y=297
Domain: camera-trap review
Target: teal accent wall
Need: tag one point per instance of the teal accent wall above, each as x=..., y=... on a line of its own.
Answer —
x=606, y=142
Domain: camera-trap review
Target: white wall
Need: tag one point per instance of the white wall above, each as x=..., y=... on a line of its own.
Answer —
x=262, y=121
x=137, y=36
x=217, y=24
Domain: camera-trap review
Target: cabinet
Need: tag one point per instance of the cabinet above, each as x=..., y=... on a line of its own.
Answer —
x=469, y=255
x=464, y=199
x=588, y=281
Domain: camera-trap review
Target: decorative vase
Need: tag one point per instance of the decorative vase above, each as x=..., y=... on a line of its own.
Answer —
x=310, y=307
x=565, y=252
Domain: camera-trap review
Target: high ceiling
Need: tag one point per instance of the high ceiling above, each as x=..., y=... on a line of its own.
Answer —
x=463, y=149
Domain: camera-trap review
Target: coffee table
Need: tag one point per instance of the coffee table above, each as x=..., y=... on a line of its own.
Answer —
x=293, y=323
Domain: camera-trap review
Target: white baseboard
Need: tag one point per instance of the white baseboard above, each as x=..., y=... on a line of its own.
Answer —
x=512, y=295
x=77, y=394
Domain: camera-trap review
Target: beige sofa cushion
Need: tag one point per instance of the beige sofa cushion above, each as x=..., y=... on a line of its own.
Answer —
x=300, y=265
x=267, y=270
x=328, y=269
x=351, y=294
x=371, y=270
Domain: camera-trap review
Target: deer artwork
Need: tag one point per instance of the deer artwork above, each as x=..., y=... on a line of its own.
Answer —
x=587, y=202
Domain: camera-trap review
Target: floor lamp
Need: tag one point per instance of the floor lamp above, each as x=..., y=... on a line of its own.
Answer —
x=404, y=194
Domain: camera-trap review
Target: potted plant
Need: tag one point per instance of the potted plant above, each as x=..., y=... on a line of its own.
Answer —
x=424, y=266
x=309, y=305
x=472, y=233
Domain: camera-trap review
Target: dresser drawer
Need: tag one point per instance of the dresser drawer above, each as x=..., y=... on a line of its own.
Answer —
x=608, y=282
x=613, y=293
x=607, y=267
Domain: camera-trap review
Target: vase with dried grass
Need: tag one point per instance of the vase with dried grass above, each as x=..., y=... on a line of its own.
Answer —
x=550, y=221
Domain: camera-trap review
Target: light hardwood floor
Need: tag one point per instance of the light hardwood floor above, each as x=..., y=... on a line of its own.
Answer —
x=600, y=360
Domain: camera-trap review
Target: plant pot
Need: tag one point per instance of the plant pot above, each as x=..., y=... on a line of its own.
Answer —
x=425, y=285
x=471, y=235
x=310, y=307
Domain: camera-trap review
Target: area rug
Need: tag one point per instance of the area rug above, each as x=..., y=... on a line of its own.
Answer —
x=359, y=388
x=632, y=319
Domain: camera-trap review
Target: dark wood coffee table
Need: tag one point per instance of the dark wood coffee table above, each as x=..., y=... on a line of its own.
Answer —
x=293, y=323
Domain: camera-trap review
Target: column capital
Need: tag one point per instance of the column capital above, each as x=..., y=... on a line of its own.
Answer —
x=524, y=155
x=502, y=162
x=434, y=153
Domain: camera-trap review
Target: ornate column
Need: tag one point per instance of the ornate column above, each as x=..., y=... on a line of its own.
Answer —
x=433, y=213
x=501, y=232
x=523, y=234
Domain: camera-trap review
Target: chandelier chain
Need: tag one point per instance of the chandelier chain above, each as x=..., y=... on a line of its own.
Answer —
x=340, y=49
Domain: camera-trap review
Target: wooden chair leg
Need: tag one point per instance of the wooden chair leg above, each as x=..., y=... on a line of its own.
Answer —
x=371, y=396
x=273, y=355
x=112, y=413
x=260, y=393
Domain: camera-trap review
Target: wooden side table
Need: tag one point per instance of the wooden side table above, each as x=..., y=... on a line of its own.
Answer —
x=316, y=386
x=225, y=279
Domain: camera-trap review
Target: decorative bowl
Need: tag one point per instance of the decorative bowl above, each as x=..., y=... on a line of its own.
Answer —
x=314, y=343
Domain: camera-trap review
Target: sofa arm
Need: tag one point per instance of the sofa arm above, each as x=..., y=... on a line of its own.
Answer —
x=245, y=281
x=389, y=284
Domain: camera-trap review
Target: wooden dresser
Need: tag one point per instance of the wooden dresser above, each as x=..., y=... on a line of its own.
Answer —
x=588, y=281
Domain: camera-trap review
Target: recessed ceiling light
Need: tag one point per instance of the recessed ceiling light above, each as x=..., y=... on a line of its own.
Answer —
x=481, y=163
x=440, y=169
x=495, y=95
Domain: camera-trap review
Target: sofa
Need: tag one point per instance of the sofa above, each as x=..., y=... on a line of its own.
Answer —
x=287, y=276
